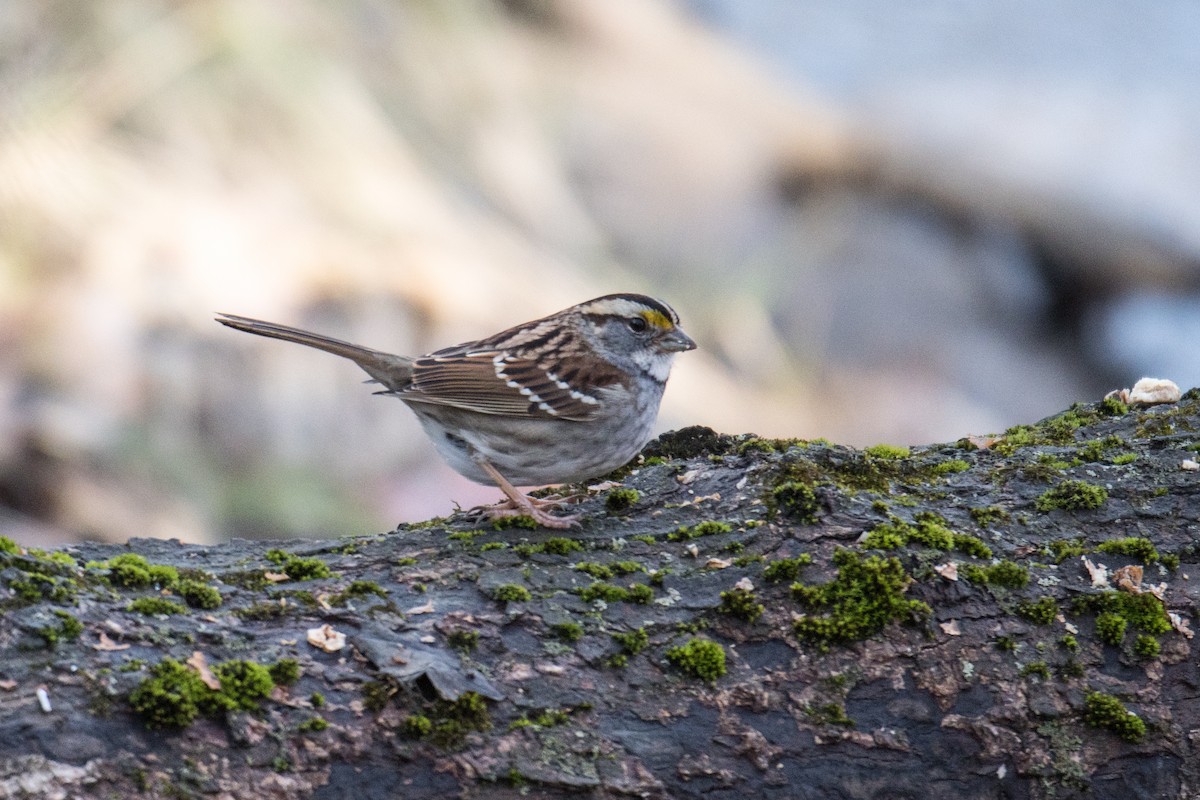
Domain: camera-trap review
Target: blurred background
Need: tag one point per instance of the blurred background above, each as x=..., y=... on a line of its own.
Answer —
x=883, y=222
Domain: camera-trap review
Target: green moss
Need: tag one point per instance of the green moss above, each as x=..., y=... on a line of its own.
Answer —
x=700, y=658
x=633, y=642
x=567, y=631
x=1043, y=611
x=463, y=640
x=1135, y=546
x=66, y=629
x=1036, y=669
x=317, y=699
x=1107, y=712
x=408, y=561
x=640, y=593
x=1062, y=549
x=1112, y=407
x=1069, y=642
x=796, y=500
x=1072, y=496
x=951, y=467
x=376, y=695
x=486, y=546
x=198, y=594
x=621, y=499
x=32, y=587
x=987, y=516
x=417, y=726
x=305, y=569
x=511, y=593
x=1005, y=574
x=263, y=610
x=312, y=725
x=285, y=671
x=561, y=546
x=135, y=572
x=786, y=569
x=597, y=571
x=645, y=538
x=356, y=590
x=173, y=696
x=707, y=528
x=828, y=714
x=7, y=545
x=244, y=683
x=866, y=595
x=452, y=721
x=1006, y=644
x=741, y=603
x=887, y=451
x=1144, y=612
x=522, y=521
x=1146, y=646
x=152, y=606
x=1110, y=627
x=929, y=531
x=636, y=593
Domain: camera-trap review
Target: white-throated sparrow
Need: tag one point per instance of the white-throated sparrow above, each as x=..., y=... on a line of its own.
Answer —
x=560, y=399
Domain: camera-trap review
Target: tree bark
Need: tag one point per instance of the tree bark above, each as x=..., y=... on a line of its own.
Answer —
x=893, y=624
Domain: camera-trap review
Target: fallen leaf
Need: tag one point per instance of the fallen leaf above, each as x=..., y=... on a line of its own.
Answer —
x=1153, y=391
x=1180, y=624
x=983, y=442
x=425, y=609
x=199, y=662
x=326, y=638
x=8, y=685
x=1128, y=578
x=276, y=577
x=1098, y=572
x=950, y=628
x=745, y=584
x=949, y=570
x=107, y=644
x=717, y=563
x=1189, y=465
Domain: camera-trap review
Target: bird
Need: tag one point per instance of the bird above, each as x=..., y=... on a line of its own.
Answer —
x=560, y=399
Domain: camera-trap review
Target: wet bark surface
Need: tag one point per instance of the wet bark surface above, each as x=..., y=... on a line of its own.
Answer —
x=892, y=624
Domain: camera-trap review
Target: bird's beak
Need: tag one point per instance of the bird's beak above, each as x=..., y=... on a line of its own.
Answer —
x=677, y=342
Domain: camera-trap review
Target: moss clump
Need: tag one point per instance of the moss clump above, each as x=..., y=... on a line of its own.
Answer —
x=700, y=658
x=7, y=545
x=1112, y=407
x=135, y=572
x=598, y=571
x=511, y=593
x=786, y=569
x=452, y=721
x=1005, y=574
x=561, y=546
x=987, y=516
x=1110, y=627
x=866, y=595
x=154, y=606
x=1069, y=642
x=633, y=642
x=567, y=631
x=707, y=528
x=1146, y=646
x=636, y=593
x=244, y=683
x=418, y=726
x=1037, y=669
x=463, y=640
x=285, y=672
x=522, y=521
x=796, y=500
x=1062, y=549
x=376, y=695
x=1134, y=546
x=1144, y=612
x=1072, y=496
x=174, y=694
x=312, y=725
x=887, y=451
x=357, y=590
x=1105, y=711
x=306, y=569
x=930, y=531
x=67, y=628
x=951, y=467
x=198, y=594
x=621, y=499
x=741, y=603
x=1043, y=611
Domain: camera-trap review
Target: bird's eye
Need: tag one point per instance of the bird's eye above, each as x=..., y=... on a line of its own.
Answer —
x=637, y=325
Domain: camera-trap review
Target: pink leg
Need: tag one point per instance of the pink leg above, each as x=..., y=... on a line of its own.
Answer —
x=519, y=504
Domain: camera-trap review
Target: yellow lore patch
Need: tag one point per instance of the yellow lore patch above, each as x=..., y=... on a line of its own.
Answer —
x=657, y=319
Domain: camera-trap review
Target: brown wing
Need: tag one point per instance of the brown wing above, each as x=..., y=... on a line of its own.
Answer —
x=498, y=382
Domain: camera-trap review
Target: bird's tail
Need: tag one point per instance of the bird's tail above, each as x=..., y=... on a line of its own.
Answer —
x=394, y=372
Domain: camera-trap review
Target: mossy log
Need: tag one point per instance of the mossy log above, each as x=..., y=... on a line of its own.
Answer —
x=1002, y=617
